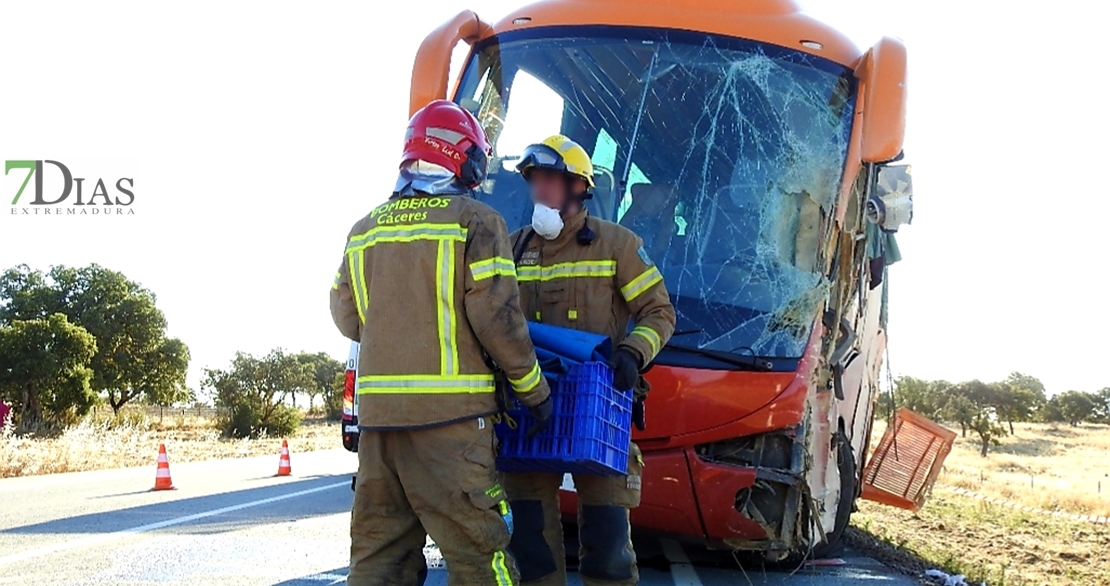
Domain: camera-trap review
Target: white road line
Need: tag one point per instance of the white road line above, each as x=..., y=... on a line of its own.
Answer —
x=682, y=572
x=329, y=578
x=95, y=539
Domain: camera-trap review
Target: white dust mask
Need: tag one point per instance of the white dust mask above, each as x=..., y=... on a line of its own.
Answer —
x=547, y=222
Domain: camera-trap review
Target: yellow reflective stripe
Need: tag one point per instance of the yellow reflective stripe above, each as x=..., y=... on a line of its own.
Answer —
x=497, y=265
x=651, y=337
x=567, y=270
x=426, y=377
x=529, y=381
x=453, y=325
x=645, y=281
x=407, y=233
x=445, y=308
x=500, y=570
x=416, y=384
x=441, y=309
x=335, y=283
x=358, y=284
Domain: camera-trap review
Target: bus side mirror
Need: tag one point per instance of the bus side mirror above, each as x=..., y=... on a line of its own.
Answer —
x=432, y=67
x=891, y=201
x=882, y=72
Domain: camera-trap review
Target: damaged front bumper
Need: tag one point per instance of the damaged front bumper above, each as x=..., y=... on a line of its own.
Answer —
x=746, y=493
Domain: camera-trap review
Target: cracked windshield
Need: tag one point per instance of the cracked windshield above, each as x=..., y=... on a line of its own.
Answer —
x=725, y=156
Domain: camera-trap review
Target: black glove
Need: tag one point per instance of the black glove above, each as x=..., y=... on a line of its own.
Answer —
x=638, y=415
x=626, y=369
x=542, y=414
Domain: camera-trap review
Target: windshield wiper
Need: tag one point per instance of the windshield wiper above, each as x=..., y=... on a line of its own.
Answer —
x=741, y=360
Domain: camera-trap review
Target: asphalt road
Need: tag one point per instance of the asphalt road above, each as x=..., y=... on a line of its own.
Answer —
x=230, y=522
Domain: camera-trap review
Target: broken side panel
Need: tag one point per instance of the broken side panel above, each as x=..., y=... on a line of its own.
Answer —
x=906, y=464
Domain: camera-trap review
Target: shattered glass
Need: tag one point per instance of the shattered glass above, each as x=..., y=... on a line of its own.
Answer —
x=724, y=155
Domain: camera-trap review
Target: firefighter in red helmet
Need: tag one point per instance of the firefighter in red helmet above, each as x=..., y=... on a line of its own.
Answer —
x=428, y=287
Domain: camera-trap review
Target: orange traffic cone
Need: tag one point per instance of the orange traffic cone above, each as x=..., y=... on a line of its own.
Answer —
x=162, y=479
x=283, y=462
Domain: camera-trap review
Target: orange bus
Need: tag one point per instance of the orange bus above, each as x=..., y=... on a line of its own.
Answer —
x=751, y=147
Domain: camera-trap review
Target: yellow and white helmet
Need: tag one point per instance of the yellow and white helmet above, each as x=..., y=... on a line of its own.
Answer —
x=558, y=153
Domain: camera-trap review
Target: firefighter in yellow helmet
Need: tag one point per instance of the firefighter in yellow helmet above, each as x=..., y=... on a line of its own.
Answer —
x=427, y=286
x=588, y=274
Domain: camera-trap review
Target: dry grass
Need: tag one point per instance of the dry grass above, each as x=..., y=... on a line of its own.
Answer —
x=1045, y=466
x=1042, y=465
x=100, y=442
x=1001, y=545
x=997, y=545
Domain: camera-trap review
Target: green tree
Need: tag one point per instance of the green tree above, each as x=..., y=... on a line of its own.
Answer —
x=133, y=355
x=959, y=409
x=324, y=369
x=913, y=394
x=1050, y=412
x=252, y=394
x=926, y=398
x=1074, y=407
x=1024, y=381
x=162, y=380
x=25, y=295
x=973, y=405
x=44, y=367
x=981, y=394
x=333, y=400
x=988, y=430
x=1020, y=396
x=1102, y=406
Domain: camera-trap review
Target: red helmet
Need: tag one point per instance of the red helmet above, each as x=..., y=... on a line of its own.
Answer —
x=444, y=133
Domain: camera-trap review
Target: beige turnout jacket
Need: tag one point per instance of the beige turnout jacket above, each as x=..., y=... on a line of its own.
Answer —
x=596, y=287
x=427, y=284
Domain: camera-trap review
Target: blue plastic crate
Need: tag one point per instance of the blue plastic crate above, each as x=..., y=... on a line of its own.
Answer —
x=589, y=431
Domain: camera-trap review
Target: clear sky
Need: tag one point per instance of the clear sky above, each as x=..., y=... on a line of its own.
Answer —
x=256, y=133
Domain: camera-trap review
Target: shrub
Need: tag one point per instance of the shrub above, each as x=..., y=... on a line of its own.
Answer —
x=246, y=420
x=333, y=399
x=253, y=394
x=283, y=422
x=130, y=418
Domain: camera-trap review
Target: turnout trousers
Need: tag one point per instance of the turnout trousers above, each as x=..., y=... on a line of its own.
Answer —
x=438, y=481
x=605, y=555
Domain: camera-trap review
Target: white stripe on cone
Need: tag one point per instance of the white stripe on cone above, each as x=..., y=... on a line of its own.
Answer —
x=284, y=467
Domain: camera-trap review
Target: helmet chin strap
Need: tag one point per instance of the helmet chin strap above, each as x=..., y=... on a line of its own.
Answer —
x=585, y=235
x=572, y=198
x=568, y=201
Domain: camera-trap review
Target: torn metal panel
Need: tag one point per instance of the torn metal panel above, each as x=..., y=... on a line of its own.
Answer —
x=778, y=500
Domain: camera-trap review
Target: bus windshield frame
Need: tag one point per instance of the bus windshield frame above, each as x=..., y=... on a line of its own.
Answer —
x=726, y=156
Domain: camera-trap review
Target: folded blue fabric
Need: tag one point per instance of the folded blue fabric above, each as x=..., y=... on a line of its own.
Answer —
x=570, y=346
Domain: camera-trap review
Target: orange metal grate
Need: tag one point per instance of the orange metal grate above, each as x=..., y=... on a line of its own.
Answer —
x=904, y=467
